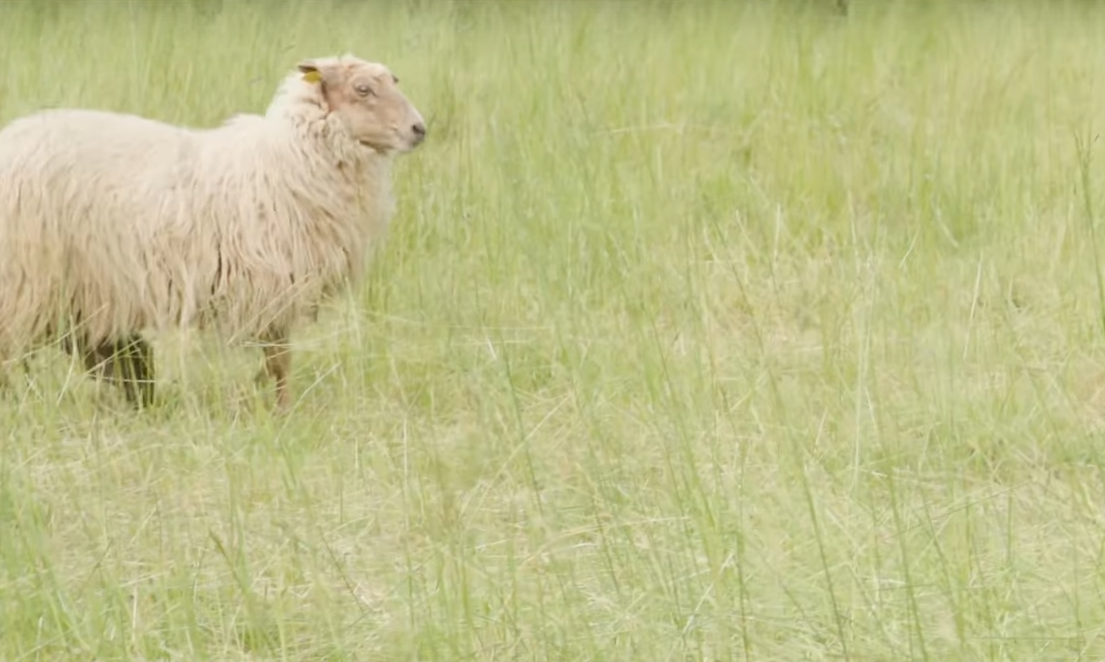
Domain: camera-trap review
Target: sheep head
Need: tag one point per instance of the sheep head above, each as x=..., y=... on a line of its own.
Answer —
x=366, y=97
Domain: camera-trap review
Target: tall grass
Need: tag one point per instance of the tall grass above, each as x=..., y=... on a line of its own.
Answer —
x=704, y=331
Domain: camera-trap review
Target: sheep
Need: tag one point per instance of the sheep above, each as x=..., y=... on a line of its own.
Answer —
x=113, y=226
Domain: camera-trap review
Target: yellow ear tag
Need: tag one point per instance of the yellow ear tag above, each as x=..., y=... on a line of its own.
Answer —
x=312, y=77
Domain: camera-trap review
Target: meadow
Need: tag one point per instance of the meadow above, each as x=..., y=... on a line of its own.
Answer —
x=703, y=331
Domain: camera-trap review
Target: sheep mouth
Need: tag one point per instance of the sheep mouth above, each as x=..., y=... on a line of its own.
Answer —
x=376, y=147
x=410, y=144
x=400, y=145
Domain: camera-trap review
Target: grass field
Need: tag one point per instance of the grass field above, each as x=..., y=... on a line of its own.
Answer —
x=704, y=331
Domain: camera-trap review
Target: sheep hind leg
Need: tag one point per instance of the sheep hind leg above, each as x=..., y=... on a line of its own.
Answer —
x=6, y=367
x=128, y=363
x=134, y=360
x=278, y=366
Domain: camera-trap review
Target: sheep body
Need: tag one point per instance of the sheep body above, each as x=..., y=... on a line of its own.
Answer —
x=112, y=224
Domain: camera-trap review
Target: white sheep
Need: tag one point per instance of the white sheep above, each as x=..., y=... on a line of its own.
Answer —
x=113, y=225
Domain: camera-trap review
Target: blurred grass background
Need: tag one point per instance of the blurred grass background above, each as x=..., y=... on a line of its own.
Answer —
x=704, y=331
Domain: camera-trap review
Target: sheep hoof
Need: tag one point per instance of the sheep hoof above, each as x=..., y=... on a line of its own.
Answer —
x=283, y=403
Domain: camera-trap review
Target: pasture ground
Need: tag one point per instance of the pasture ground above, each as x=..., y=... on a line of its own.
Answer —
x=704, y=331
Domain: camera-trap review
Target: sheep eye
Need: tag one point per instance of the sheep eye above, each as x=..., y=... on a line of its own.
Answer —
x=363, y=90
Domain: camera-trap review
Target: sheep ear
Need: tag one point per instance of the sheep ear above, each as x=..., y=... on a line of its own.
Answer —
x=326, y=76
x=310, y=71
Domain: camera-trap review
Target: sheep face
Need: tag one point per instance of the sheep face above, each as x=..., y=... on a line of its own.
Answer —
x=366, y=97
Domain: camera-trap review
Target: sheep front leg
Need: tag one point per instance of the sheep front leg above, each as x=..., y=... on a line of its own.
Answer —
x=133, y=369
x=278, y=365
x=5, y=374
x=128, y=362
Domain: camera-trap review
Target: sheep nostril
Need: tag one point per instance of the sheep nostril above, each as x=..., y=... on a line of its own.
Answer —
x=419, y=130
